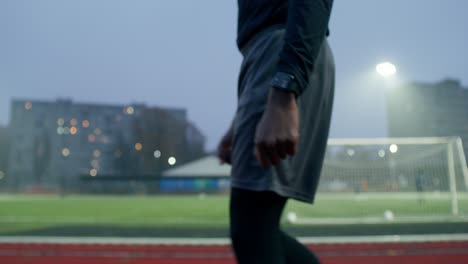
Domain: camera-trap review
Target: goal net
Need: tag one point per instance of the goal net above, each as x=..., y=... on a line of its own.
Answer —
x=394, y=179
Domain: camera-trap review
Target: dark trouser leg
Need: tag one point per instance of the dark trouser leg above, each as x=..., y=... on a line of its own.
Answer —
x=297, y=253
x=255, y=232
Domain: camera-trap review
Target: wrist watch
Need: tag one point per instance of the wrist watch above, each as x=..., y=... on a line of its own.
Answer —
x=284, y=81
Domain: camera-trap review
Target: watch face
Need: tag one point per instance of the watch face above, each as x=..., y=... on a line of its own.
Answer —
x=282, y=80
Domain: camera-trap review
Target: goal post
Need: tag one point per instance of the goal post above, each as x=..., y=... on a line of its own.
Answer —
x=409, y=177
x=452, y=178
x=463, y=160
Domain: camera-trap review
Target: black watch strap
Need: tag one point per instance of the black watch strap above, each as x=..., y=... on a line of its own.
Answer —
x=284, y=81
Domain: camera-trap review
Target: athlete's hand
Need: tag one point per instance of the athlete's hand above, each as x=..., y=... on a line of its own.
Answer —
x=225, y=147
x=277, y=132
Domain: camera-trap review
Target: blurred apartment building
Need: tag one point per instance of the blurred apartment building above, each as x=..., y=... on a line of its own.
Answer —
x=4, y=150
x=55, y=144
x=428, y=110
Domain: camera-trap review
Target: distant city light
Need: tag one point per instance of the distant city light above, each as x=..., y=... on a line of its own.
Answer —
x=351, y=152
x=171, y=161
x=129, y=110
x=393, y=148
x=97, y=131
x=93, y=172
x=28, y=105
x=157, y=154
x=60, y=122
x=138, y=146
x=97, y=153
x=386, y=69
x=91, y=138
x=73, y=122
x=85, y=123
x=382, y=153
x=66, y=130
x=73, y=130
x=2, y=175
x=60, y=130
x=65, y=152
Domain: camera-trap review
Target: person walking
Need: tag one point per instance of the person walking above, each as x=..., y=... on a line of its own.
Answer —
x=277, y=140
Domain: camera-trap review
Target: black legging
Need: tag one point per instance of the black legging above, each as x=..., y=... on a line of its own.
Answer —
x=255, y=230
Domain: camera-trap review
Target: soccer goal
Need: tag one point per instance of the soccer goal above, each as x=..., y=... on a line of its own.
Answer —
x=392, y=179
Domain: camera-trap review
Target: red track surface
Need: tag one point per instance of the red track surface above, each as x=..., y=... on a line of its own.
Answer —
x=379, y=253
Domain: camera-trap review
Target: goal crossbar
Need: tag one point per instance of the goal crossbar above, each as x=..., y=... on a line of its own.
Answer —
x=385, y=141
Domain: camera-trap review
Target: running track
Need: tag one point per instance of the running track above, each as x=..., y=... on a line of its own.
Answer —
x=450, y=252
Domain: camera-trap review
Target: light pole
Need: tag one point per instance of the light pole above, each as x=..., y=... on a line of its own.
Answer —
x=387, y=70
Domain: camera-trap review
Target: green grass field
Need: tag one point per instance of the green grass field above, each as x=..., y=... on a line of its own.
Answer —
x=29, y=212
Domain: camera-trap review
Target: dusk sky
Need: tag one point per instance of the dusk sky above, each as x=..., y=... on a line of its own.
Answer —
x=183, y=54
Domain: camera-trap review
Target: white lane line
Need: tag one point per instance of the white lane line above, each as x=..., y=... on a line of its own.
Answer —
x=226, y=241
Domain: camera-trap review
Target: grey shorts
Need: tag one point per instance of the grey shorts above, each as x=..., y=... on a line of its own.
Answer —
x=295, y=177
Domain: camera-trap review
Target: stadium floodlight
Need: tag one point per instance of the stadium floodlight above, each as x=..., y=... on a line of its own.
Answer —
x=386, y=69
x=171, y=161
x=394, y=148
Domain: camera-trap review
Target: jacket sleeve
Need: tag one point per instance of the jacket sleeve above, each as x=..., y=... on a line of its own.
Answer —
x=306, y=28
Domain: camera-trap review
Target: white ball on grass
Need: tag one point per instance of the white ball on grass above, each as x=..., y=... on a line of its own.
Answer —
x=388, y=215
x=292, y=217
